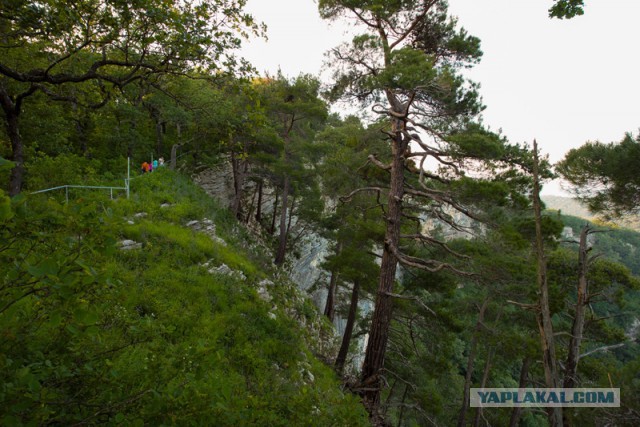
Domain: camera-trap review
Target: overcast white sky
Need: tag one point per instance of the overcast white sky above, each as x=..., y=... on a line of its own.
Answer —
x=561, y=82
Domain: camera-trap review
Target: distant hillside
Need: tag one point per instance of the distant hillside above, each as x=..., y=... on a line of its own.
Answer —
x=618, y=244
x=567, y=206
x=572, y=207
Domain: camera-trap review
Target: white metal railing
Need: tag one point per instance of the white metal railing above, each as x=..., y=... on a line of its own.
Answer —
x=127, y=182
x=67, y=187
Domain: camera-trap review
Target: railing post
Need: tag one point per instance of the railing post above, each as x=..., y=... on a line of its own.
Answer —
x=128, y=180
x=66, y=191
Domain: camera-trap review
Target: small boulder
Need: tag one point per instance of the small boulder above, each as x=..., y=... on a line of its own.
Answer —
x=225, y=270
x=126, y=245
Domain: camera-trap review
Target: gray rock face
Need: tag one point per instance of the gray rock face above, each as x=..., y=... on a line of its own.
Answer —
x=304, y=270
x=125, y=245
x=567, y=234
x=263, y=289
x=225, y=270
x=633, y=333
x=207, y=227
x=217, y=181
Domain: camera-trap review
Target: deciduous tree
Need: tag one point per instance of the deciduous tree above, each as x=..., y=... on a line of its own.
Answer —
x=52, y=46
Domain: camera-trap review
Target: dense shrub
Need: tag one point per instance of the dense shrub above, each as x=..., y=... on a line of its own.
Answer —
x=92, y=334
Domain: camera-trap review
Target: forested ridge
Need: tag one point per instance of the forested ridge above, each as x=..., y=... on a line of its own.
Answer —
x=285, y=264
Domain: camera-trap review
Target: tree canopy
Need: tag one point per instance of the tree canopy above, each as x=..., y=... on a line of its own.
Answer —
x=94, y=46
x=605, y=176
x=411, y=224
x=566, y=9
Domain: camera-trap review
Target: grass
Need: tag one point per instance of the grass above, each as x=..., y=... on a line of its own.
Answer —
x=149, y=336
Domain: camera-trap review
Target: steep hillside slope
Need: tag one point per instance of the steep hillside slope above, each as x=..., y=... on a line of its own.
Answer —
x=153, y=311
x=572, y=207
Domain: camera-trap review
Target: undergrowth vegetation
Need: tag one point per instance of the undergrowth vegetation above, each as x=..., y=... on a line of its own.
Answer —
x=92, y=334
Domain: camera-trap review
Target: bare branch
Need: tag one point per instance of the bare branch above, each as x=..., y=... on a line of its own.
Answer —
x=422, y=264
x=378, y=109
x=443, y=245
x=349, y=196
x=525, y=306
x=416, y=299
x=604, y=348
x=372, y=159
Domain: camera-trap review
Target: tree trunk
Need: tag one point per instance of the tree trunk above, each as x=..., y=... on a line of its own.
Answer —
x=573, y=357
x=390, y=396
x=543, y=317
x=122, y=129
x=82, y=127
x=80, y=119
x=348, y=330
x=470, y=362
x=11, y=113
x=381, y=318
x=259, y=207
x=524, y=374
x=174, y=150
x=238, y=185
x=483, y=384
x=404, y=396
x=16, y=178
x=329, y=306
x=133, y=126
x=251, y=205
x=291, y=209
x=159, y=132
x=578, y=319
x=282, y=240
x=272, y=229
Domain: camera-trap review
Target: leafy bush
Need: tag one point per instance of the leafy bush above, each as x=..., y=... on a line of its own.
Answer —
x=91, y=334
x=65, y=169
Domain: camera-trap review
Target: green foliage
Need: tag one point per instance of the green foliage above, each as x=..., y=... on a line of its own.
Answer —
x=409, y=68
x=147, y=336
x=476, y=141
x=616, y=244
x=86, y=54
x=65, y=169
x=566, y=9
x=605, y=176
x=439, y=37
x=551, y=228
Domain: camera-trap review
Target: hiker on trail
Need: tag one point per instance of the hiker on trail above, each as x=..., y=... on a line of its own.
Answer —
x=155, y=164
x=145, y=167
x=161, y=161
x=151, y=167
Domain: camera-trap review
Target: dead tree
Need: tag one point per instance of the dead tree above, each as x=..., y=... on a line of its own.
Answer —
x=543, y=315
